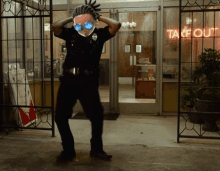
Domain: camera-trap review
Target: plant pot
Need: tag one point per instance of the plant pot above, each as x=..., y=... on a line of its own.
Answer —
x=194, y=118
x=210, y=119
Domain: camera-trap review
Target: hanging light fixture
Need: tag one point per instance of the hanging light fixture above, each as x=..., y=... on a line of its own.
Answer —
x=127, y=24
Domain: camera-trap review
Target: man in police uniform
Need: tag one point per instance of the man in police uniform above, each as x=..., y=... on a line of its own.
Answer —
x=80, y=78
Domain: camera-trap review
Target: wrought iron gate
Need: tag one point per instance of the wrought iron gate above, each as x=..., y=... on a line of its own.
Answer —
x=198, y=105
x=26, y=95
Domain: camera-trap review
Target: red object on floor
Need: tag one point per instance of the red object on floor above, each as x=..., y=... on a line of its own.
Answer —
x=32, y=112
x=24, y=118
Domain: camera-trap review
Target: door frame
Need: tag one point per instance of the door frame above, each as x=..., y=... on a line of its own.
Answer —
x=140, y=108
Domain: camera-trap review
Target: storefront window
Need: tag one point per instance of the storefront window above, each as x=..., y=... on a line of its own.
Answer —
x=170, y=45
x=12, y=34
x=59, y=47
x=194, y=40
x=33, y=45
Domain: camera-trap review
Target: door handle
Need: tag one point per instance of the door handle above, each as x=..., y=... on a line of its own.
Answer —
x=154, y=91
x=131, y=61
x=135, y=60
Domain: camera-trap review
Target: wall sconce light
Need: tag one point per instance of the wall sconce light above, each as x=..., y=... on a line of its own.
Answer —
x=47, y=26
x=188, y=20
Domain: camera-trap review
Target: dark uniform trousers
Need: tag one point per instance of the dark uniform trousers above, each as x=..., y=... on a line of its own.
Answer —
x=84, y=88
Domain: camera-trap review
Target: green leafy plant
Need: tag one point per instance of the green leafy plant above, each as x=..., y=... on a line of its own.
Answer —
x=206, y=79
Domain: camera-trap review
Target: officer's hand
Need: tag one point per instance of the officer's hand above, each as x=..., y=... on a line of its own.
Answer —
x=97, y=15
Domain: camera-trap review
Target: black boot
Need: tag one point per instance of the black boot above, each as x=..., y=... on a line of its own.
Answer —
x=100, y=155
x=66, y=156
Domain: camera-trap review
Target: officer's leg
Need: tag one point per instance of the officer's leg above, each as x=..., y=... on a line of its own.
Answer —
x=66, y=99
x=90, y=101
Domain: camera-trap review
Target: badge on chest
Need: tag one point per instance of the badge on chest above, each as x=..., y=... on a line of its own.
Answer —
x=94, y=37
x=72, y=42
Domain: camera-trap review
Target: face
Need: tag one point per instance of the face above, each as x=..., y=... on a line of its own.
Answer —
x=82, y=19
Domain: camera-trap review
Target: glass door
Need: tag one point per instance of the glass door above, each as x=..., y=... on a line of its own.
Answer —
x=138, y=45
x=132, y=57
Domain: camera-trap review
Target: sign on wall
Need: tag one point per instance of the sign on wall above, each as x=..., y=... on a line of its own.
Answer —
x=187, y=32
x=21, y=95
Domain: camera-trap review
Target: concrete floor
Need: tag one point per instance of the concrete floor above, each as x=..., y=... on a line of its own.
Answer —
x=137, y=143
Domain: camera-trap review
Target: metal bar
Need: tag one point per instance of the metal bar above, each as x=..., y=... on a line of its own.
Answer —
x=173, y=6
x=36, y=16
x=160, y=56
x=178, y=120
x=205, y=10
x=24, y=51
x=52, y=77
x=199, y=137
x=27, y=106
x=26, y=39
x=39, y=62
x=33, y=60
x=1, y=74
x=8, y=66
x=214, y=41
x=42, y=58
x=132, y=10
x=111, y=71
x=198, y=112
x=203, y=16
x=214, y=32
x=23, y=32
x=27, y=16
x=16, y=55
x=27, y=128
x=116, y=66
x=191, y=47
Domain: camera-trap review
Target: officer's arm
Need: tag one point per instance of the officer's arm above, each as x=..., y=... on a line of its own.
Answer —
x=114, y=25
x=57, y=26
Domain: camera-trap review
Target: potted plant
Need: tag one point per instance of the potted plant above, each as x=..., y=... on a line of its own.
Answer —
x=204, y=92
x=188, y=102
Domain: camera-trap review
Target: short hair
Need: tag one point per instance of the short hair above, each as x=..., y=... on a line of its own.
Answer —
x=86, y=9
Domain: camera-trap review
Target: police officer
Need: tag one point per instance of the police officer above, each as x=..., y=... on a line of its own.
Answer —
x=80, y=79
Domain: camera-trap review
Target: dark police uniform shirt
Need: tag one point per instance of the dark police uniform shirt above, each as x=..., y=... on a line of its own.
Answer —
x=82, y=51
